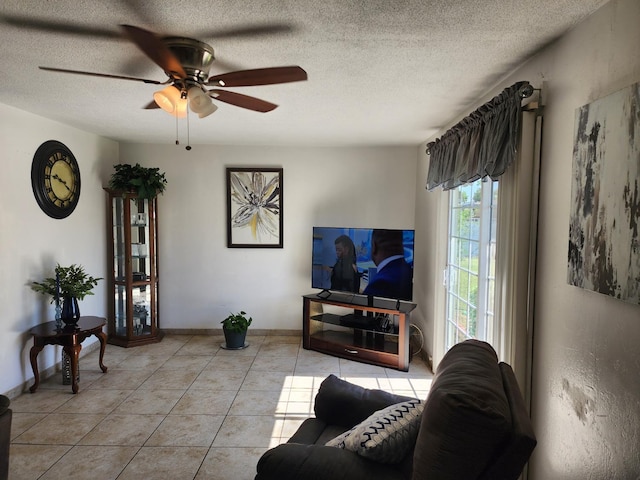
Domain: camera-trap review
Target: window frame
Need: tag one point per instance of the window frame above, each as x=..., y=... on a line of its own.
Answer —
x=460, y=267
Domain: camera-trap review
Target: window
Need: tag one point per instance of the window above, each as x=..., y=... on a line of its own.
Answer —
x=470, y=271
x=486, y=249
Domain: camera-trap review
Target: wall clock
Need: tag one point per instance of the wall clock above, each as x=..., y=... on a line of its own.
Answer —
x=55, y=179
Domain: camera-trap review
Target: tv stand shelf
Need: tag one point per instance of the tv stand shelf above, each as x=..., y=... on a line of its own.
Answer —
x=360, y=328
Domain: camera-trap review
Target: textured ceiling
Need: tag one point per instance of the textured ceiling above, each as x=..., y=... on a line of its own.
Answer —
x=381, y=72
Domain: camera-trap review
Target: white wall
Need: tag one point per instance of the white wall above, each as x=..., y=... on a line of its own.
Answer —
x=427, y=286
x=586, y=359
x=586, y=403
x=31, y=243
x=201, y=280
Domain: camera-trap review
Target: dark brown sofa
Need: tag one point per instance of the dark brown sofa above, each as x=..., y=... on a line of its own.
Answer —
x=5, y=436
x=474, y=426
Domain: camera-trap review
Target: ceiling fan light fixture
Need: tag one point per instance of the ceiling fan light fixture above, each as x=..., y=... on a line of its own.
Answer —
x=208, y=110
x=170, y=100
x=200, y=102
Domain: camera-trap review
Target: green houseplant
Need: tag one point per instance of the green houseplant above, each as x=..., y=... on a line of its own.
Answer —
x=71, y=284
x=146, y=182
x=235, y=328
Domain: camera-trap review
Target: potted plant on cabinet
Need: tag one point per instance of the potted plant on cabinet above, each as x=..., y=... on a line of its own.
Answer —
x=69, y=285
x=145, y=182
x=235, y=328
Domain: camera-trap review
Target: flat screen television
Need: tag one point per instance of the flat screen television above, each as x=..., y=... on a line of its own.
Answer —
x=366, y=261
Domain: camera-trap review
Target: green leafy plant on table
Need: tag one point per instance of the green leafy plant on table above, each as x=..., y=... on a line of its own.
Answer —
x=71, y=281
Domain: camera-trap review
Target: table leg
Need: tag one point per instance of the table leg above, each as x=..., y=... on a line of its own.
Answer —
x=103, y=343
x=74, y=354
x=33, y=356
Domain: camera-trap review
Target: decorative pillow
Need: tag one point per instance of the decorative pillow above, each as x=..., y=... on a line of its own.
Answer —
x=386, y=436
x=339, y=440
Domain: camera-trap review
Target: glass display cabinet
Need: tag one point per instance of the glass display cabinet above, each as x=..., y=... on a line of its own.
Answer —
x=133, y=315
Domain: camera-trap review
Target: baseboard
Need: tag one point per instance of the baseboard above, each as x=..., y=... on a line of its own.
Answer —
x=218, y=331
x=49, y=372
x=427, y=359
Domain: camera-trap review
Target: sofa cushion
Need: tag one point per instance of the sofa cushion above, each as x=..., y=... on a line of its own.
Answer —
x=339, y=402
x=294, y=461
x=386, y=436
x=466, y=416
x=315, y=432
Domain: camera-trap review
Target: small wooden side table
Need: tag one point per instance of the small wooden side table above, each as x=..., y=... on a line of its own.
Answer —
x=70, y=339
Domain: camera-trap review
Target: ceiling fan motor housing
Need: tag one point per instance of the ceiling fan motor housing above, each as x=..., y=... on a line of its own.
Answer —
x=195, y=56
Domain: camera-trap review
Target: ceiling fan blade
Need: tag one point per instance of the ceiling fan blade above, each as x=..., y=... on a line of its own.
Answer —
x=103, y=75
x=151, y=105
x=247, y=31
x=224, y=65
x=46, y=25
x=244, y=101
x=259, y=76
x=153, y=47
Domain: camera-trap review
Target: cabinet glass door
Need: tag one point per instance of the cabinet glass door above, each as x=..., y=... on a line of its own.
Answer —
x=140, y=263
x=141, y=297
x=134, y=318
x=121, y=311
x=118, y=239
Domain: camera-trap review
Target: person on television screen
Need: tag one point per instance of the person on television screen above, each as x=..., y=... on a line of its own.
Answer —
x=344, y=274
x=394, y=278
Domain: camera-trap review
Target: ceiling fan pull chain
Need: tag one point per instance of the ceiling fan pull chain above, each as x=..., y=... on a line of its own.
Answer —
x=177, y=141
x=188, y=147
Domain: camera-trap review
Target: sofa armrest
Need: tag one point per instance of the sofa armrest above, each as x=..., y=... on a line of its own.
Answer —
x=294, y=461
x=522, y=440
x=342, y=403
x=466, y=418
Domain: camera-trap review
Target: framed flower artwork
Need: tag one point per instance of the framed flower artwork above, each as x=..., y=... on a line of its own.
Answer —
x=254, y=207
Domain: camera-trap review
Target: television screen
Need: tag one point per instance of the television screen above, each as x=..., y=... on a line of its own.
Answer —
x=367, y=261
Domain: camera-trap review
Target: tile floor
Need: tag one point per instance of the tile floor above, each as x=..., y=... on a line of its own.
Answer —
x=181, y=409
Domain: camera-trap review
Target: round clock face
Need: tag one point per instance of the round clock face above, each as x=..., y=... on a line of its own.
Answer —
x=55, y=178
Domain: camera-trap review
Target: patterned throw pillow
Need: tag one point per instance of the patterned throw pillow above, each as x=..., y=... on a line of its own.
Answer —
x=339, y=440
x=386, y=436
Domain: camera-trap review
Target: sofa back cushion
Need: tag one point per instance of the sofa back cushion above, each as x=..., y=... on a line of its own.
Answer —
x=466, y=417
x=339, y=402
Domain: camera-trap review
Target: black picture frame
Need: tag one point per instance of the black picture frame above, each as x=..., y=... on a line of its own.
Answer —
x=254, y=207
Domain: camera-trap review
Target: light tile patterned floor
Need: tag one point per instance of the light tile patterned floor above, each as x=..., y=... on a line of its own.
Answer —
x=181, y=409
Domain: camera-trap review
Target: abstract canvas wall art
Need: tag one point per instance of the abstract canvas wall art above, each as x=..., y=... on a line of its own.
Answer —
x=604, y=250
x=254, y=207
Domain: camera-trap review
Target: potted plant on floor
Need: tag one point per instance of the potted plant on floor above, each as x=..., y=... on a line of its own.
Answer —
x=145, y=182
x=235, y=328
x=69, y=285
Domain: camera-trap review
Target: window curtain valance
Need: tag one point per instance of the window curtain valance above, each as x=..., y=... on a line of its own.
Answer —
x=483, y=144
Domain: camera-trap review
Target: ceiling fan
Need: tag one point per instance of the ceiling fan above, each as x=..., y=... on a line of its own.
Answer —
x=187, y=62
